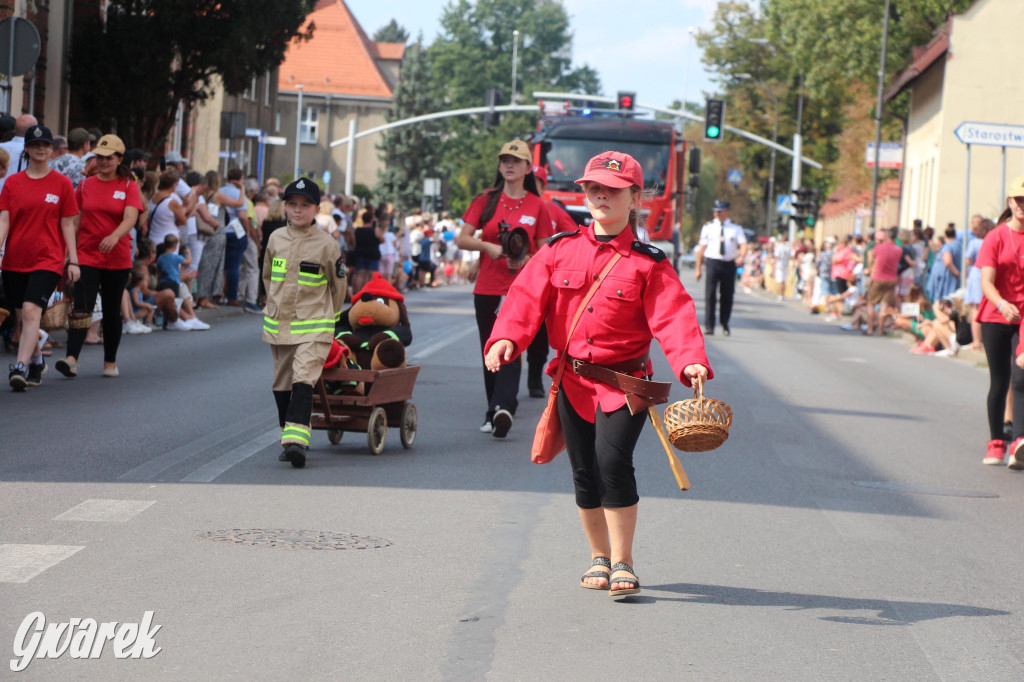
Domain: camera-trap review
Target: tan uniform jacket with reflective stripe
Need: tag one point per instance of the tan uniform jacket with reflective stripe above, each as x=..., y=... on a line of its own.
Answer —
x=304, y=290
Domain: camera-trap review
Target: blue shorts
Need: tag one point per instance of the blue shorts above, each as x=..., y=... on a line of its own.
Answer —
x=372, y=264
x=828, y=286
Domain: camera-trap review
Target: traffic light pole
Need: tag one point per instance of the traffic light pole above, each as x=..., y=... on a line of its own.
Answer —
x=798, y=148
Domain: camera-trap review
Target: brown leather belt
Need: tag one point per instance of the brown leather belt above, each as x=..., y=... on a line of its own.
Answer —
x=640, y=393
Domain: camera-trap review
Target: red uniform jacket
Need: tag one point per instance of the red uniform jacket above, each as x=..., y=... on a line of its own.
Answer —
x=640, y=298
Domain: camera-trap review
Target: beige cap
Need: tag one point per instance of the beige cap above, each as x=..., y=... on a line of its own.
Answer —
x=108, y=146
x=518, y=149
x=1016, y=188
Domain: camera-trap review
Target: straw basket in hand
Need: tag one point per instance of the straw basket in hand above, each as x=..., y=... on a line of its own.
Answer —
x=56, y=316
x=700, y=424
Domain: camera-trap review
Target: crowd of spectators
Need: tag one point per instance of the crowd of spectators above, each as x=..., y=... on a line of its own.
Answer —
x=891, y=282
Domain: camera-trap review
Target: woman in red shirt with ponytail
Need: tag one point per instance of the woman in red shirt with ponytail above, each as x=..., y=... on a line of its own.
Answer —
x=109, y=203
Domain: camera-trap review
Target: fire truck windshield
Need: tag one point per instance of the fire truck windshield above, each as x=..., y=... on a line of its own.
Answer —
x=565, y=158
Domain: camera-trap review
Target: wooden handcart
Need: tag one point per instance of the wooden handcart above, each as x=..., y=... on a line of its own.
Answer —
x=385, y=403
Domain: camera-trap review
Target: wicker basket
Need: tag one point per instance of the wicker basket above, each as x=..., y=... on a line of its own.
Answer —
x=700, y=424
x=56, y=316
x=77, y=320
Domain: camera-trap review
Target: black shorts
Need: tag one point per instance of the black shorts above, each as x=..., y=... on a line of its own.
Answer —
x=29, y=287
x=168, y=285
x=841, y=285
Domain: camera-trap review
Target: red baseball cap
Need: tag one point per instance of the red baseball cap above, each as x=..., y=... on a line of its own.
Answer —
x=614, y=169
x=541, y=174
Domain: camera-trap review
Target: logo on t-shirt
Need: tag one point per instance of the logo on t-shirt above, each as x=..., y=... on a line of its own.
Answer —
x=52, y=199
x=528, y=220
x=120, y=195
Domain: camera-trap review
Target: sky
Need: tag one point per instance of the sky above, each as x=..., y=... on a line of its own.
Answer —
x=642, y=46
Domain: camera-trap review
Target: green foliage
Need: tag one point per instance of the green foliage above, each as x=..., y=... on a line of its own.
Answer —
x=362, y=191
x=832, y=51
x=131, y=71
x=411, y=153
x=473, y=53
x=393, y=32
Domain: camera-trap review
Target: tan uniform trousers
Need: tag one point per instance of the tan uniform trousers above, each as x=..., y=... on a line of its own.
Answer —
x=300, y=363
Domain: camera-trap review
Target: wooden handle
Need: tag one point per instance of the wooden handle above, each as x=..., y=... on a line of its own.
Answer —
x=673, y=461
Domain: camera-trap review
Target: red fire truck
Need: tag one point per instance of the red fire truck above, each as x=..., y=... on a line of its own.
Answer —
x=564, y=143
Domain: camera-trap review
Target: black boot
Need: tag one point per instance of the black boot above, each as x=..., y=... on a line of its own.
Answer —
x=534, y=383
x=296, y=454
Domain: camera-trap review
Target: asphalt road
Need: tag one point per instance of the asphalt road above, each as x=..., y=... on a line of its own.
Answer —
x=846, y=531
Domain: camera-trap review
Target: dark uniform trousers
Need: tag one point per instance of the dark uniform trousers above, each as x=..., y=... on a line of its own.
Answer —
x=721, y=275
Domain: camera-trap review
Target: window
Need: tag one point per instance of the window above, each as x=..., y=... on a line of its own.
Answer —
x=252, y=89
x=310, y=124
x=277, y=122
x=266, y=89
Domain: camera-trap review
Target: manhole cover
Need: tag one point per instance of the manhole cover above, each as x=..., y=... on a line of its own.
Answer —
x=294, y=539
x=917, y=489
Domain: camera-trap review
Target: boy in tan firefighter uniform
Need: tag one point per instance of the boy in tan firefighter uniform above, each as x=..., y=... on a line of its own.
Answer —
x=304, y=276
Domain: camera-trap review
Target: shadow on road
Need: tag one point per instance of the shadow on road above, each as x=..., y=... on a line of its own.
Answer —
x=886, y=612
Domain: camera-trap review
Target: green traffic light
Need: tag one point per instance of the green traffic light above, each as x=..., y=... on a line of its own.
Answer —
x=713, y=131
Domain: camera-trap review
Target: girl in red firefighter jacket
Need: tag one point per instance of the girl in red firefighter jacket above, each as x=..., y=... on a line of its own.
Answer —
x=639, y=299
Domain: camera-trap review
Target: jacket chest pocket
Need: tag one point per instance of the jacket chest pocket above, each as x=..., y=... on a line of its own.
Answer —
x=311, y=275
x=620, y=291
x=567, y=286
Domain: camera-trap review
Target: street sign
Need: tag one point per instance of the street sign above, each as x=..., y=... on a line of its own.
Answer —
x=327, y=177
x=735, y=176
x=890, y=155
x=990, y=134
x=26, y=46
x=275, y=140
x=784, y=206
x=432, y=187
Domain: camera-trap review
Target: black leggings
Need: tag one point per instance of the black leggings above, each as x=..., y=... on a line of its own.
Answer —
x=502, y=387
x=111, y=285
x=601, y=455
x=1000, y=341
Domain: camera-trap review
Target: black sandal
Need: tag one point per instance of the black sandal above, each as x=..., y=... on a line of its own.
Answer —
x=631, y=581
x=599, y=561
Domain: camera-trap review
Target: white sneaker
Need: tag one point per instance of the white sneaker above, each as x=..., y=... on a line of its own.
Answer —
x=179, y=325
x=135, y=327
x=953, y=345
x=196, y=324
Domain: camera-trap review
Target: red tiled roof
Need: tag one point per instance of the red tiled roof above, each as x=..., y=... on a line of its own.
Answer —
x=924, y=57
x=339, y=60
x=388, y=50
x=839, y=202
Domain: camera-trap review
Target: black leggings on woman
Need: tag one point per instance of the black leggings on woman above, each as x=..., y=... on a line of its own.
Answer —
x=502, y=387
x=111, y=285
x=601, y=454
x=1000, y=341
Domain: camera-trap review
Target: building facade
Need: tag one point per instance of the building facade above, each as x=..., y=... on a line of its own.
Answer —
x=961, y=76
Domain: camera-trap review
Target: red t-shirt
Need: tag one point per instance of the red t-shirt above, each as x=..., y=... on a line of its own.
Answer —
x=102, y=204
x=843, y=263
x=561, y=221
x=887, y=262
x=530, y=214
x=1003, y=249
x=36, y=207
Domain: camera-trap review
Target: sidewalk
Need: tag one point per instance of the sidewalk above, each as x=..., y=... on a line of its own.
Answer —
x=974, y=357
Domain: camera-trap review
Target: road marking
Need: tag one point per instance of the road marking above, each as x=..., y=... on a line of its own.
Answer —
x=447, y=339
x=111, y=511
x=858, y=360
x=156, y=466
x=212, y=470
x=21, y=563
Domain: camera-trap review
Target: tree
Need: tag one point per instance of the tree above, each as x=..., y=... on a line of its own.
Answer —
x=410, y=153
x=131, y=68
x=474, y=53
x=393, y=32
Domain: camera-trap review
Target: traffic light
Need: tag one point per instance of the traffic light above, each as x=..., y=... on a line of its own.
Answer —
x=438, y=203
x=493, y=99
x=694, y=160
x=626, y=100
x=805, y=206
x=714, y=120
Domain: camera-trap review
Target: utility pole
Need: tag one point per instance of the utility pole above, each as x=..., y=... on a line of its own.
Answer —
x=298, y=130
x=879, y=105
x=515, y=63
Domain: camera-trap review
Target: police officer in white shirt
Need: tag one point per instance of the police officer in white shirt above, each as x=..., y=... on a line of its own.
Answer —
x=723, y=243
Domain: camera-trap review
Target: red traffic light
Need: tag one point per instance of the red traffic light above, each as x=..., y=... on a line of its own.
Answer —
x=627, y=100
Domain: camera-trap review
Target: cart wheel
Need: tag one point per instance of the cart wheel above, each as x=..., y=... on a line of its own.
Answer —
x=376, y=430
x=407, y=433
x=334, y=435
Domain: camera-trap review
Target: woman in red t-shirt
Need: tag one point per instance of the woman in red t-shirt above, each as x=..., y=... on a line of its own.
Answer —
x=512, y=207
x=1001, y=260
x=37, y=232
x=109, y=203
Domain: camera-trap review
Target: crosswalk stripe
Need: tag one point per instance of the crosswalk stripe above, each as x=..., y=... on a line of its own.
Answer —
x=21, y=563
x=212, y=470
x=111, y=511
